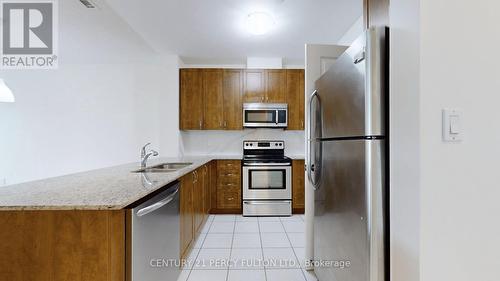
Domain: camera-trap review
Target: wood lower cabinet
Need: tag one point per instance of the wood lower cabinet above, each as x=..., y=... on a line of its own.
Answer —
x=228, y=198
x=191, y=99
x=295, y=98
x=186, y=213
x=298, y=186
x=62, y=245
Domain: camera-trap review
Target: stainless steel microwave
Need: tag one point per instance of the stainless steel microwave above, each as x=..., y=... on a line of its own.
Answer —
x=265, y=115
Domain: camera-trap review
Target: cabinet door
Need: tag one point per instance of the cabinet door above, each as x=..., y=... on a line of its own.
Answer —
x=275, y=86
x=191, y=99
x=255, y=85
x=298, y=186
x=232, y=91
x=206, y=190
x=198, y=199
x=212, y=99
x=213, y=185
x=186, y=212
x=295, y=98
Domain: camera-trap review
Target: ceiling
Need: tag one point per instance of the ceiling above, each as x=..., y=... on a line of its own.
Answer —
x=205, y=31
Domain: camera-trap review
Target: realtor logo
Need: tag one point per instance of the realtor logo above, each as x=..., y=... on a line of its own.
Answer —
x=29, y=34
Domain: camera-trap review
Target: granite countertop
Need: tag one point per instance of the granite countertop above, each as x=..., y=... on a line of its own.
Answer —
x=111, y=188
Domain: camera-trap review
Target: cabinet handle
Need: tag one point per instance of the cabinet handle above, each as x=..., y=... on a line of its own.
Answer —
x=262, y=98
x=201, y=124
x=220, y=124
x=230, y=199
x=229, y=174
x=230, y=184
x=302, y=124
x=225, y=124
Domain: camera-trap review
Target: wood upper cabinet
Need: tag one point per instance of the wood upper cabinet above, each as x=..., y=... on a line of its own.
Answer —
x=233, y=94
x=298, y=186
x=212, y=99
x=213, y=109
x=186, y=213
x=191, y=99
x=265, y=85
x=275, y=86
x=295, y=93
x=255, y=85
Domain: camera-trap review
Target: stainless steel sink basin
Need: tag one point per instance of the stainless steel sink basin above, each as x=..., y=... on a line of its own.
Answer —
x=163, y=168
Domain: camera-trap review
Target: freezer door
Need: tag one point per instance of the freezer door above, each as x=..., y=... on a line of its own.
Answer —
x=349, y=212
x=353, y=91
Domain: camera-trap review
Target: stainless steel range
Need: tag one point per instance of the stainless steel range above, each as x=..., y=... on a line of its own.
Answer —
x=267, y=179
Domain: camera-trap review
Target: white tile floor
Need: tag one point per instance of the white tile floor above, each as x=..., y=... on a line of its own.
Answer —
x=236, y=248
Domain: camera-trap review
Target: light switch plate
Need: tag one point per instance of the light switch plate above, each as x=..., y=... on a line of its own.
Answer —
x=452, y=125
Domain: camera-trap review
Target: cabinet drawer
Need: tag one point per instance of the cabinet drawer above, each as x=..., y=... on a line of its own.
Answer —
x=229, y=166
x=228, y=199
x=230, y=185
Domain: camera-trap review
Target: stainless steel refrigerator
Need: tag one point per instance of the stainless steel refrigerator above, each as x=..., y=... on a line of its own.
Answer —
x=347, y=163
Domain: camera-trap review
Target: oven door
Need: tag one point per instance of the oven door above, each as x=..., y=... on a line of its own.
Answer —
x=267, y=182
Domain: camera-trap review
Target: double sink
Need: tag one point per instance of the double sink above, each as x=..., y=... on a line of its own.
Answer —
x=164, y=168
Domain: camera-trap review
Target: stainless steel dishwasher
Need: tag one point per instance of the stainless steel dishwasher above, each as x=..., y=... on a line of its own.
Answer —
x=156, y=237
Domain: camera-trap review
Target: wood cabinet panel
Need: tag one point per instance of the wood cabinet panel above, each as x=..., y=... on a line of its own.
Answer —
x=295, y=93
x=213, y=114
x=233, y=95
x=213, y=185
x=298, y=186
x=197, y=200
x=191, y=99
x=186, y=213
x=62, y=245
x=255, y=85
x=275, y=86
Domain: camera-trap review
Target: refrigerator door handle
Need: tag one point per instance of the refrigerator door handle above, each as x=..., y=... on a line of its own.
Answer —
x=313, y=168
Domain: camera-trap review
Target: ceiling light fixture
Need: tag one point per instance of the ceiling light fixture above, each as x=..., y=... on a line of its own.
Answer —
x=260, y=23
x=5, y=93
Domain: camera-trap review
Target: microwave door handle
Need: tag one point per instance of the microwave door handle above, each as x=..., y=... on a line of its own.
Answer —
x=276, y=117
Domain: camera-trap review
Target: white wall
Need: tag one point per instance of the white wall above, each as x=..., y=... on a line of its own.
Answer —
x=444, y=196
x=105, y=101
x=404, y=134
x=460, y=230
x=352, y=33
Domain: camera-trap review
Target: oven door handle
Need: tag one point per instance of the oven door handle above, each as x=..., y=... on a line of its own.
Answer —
x=266, y=203
x=266, y=164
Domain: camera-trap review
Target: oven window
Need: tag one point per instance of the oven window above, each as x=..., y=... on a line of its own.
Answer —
x=267, y=179
x=260, y=116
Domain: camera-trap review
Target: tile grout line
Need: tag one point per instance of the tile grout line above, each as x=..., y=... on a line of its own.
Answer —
x=262, y=250
x=231, y=249
x=293, y=249
x=201, y=247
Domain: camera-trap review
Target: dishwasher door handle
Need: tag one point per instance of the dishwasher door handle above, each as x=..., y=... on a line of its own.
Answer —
x=153, y=207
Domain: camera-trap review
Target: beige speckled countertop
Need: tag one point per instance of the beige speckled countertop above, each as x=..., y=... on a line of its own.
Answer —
x=102, y=189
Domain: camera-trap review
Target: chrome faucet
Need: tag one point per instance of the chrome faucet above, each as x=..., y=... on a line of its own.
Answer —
x=145, y=156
